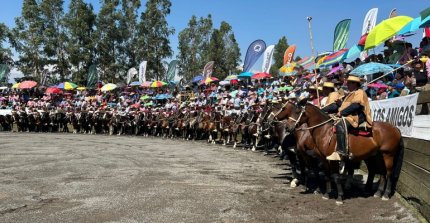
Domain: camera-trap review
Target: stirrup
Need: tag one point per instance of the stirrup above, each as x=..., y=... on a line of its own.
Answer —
x=334, y=156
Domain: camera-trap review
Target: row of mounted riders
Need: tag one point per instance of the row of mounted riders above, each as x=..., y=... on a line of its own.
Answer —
x=300, y=132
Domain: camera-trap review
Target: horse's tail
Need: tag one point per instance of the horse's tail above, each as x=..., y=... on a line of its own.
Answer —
x=398, y=161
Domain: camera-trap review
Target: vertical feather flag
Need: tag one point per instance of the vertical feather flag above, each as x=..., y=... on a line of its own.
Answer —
x=142, y=71
x=208, y=69
x=92, y=76
x=44, y=77
x=267, y=60
x=341, y=33
x=368, y=24
x=171, y=71
x=393, y=13
x=4, y=71
x=255, y=50
x=289, y=54
x=131, y=73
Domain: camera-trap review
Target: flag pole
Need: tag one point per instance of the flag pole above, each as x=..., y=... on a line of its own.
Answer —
x=309, y=18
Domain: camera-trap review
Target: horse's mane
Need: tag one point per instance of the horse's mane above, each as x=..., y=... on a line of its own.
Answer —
x=321, y=112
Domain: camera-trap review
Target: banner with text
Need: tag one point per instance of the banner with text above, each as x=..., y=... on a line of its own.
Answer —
x=399, y=111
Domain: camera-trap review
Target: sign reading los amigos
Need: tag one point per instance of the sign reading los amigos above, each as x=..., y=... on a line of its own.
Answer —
x=399, y=112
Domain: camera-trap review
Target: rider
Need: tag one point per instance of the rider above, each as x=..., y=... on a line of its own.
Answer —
x=354, y=110
x=331, y=97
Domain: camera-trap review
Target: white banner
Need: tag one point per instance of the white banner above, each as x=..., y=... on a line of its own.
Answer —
x=399, y=111
x=131, y=74
x=142, y=71
x=267, y=60
x=368, y=24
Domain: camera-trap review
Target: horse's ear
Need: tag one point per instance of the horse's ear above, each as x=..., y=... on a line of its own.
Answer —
x=302, y=102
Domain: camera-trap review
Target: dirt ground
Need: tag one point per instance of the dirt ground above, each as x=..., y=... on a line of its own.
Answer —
x=83, y=178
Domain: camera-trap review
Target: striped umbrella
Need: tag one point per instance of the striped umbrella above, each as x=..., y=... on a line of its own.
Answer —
x=288, y=69
x=158, y=84
x=306, y=62
x=333, y=58
x=231, y=77
x=67, y=86
x=81, y=88
x=16, y=85
x=209, y=80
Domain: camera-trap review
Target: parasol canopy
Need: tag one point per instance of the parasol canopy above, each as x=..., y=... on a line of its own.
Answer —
x=385, y=30
x=245, y=75
x=371, y=68
x=259, y=76
x=209, y=80
x=157, y=84
x=53, y=90
x=146, y=84
x=67, y=86
x=27, y=84
x=108, y=87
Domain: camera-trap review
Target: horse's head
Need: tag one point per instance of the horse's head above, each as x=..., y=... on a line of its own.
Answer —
x=294, y=113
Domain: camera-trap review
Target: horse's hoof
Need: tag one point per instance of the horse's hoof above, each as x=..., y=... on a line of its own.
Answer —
x=385, y=198
x=377, y=195
x=325, y=197
x=339, y=202
x=253, y=149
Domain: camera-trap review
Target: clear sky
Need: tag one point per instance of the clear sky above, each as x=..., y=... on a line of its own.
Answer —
x=271, y=19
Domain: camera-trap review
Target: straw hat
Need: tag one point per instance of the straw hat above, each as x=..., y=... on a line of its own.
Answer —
x=354, y=79
x=328, y=84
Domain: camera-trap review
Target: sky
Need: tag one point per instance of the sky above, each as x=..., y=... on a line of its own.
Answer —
x=271, y=19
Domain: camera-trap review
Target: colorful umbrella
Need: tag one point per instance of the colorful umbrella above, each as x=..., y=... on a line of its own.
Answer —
x=145, y=97
x=425, y=13
x=377, y=85
x=231, y=77
x=135, y=83
x=158, y=84
x=288, y=69
x=385, y=30
x=334, y=70
x=53, y=90
x=197, y=78
x=261, y=76
x=108, y=87
x=81, y=88
x=67, y=86
x=234, y=93
x=353, y=51
x=371, y=68
x=209, y=80
x=285, y=88
x=222, y=83
x=27, y=84
x=3, y=87
x=16, y=85
x=146, y=84
x=306, y=62
x=334, y=58
x=245, y=75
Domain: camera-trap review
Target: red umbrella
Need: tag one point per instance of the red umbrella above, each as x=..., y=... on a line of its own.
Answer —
x=377, y=85
x=261, y=76
x=53, y=90
x=27, y=84
x=146, y=84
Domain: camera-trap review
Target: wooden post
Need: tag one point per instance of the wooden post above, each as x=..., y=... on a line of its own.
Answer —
x=309, y=18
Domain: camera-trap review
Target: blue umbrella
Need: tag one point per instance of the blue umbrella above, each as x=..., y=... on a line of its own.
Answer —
x=353, y=51
x=371, y=68
x=197, y=79
x=135, y=83
x=413, y=26
x=245, y=75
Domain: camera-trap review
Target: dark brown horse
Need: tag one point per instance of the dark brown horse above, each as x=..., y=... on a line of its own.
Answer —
x=386, y=140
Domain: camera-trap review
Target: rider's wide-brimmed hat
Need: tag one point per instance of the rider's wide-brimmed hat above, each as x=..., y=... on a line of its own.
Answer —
x=352, y=78
x=328, y=84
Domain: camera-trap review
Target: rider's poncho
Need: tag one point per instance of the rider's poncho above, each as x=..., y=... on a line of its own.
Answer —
x=360, y=97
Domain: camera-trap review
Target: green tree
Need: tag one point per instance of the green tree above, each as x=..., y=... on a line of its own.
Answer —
x=108, y=37
x=278, y=55
x=5, y=52
x=28, y=39
x=193, y=46
x=154, y=35
x=54, y=37
x=298, y=58
x=80, y=46
x=128, y=25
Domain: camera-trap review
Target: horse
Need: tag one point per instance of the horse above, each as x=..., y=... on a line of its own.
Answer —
x=385, y=140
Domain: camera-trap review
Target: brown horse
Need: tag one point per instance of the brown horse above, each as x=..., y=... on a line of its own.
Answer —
x=386, y=140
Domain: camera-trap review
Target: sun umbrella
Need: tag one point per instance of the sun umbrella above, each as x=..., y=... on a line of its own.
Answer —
x=81, y=88
x=135, y=83
x=334, y=70
x=145, y=97
x=425, y=13
x=67, y=86
x=261, y=76
x=306, y=62
x=245, y=75
x=234, y=93
x=385, y=30
x=371, y=68
x=197, y=79
x=377, y=85
x=146, y=84
x=53, y=90
x=288, y=69
x=27, y=84
x=16, y=85
x=158, y=84
x=353, y=51
x=208, y=80
x=2, y=88
x=222, y=83
x=108, y=87
x=285, y=88
x=231, y=77
x=334, y=58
